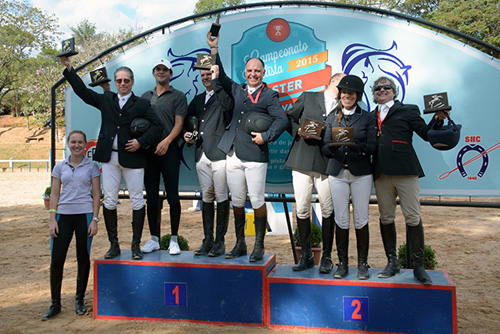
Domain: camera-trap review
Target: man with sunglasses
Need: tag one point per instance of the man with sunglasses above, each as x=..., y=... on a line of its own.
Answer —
x=121, y=155
x=164, y=158
x=396, y=173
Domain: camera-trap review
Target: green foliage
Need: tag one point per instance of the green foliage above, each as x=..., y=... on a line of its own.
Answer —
x=24, y=30
x=165, y=241
x=430, y=262
x=46, y=194
x=203, y=6
x=315, y=236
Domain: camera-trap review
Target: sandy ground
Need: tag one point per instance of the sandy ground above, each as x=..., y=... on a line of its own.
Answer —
x=466, y=241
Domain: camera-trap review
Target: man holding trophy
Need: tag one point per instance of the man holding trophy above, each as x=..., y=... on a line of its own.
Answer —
x=211, y=111
x=247, y=152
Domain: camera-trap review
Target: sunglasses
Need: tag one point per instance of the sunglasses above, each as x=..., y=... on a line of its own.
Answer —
x=386, y=87
x=119, y=81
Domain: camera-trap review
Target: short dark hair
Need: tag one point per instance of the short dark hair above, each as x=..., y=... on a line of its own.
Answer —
x=126, y=69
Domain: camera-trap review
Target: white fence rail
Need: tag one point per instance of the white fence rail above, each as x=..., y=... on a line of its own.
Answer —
x=12, y=162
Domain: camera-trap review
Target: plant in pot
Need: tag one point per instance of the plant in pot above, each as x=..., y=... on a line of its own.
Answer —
x=315, y=242
x=46, y=197
x=165, y=242
x=430, y=262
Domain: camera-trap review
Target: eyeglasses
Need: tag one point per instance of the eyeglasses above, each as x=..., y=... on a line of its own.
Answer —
x=386, y=87
x=119, y=81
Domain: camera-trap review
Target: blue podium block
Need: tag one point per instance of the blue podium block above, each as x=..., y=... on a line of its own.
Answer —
x=182, y=287
x=398, y=304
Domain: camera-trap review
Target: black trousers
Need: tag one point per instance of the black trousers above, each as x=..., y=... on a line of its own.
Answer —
x=167, y=166
x=59, y=246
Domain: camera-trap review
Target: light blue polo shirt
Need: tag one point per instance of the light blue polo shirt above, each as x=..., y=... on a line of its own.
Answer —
x=75, y=197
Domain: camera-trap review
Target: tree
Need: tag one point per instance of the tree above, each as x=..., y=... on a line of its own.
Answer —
x=85, y=31
x=24, y=30
x=203, y=6
x=479, y=19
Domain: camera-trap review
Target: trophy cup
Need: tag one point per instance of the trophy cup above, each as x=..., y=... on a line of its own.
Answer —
x=99, y=76
x=436, y=102
x=68, y=48
x=311, y=128
x=214, y=29
x=191, y=125
x=342, y=136
x=204, y=61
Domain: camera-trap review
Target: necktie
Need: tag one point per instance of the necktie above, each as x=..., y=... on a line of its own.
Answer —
x=122, y=102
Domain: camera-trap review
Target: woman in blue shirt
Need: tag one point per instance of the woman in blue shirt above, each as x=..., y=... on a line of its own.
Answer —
x=74, y=207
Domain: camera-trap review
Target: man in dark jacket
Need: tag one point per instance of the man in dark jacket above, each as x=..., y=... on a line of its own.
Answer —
x=396, y=173
x=121, y=155
x=247, y=153
x=211, y=111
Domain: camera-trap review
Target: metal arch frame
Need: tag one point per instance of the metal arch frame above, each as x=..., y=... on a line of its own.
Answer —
x=280, y=4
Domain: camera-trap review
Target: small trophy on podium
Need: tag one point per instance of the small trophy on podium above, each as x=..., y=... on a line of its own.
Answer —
x=68, y=48
x=99, y=76
x=311, y=128
x=436, y=102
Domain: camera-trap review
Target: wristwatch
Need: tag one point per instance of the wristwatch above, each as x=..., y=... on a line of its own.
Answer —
x=95, y=219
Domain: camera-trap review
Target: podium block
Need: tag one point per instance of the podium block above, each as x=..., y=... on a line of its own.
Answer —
x=398, y=304
x=182, y=287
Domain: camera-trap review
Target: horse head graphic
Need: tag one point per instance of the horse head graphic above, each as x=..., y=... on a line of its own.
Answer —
x=370, y=63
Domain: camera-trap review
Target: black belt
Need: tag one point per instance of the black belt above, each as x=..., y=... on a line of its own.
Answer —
x=345, y=166
x=114, y=150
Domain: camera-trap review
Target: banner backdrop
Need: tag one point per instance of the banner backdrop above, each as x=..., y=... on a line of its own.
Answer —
x=302, y=48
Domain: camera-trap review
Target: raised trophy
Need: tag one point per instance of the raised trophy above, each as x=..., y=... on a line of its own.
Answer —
x=214, y=29
x=436, y=102
x=68, y=48
x=98, y=76
x=204, y=61
x=342, y=136
x=311, y=128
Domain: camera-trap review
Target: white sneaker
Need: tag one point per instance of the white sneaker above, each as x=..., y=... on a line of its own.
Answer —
x=173, y=247
x=150, y=246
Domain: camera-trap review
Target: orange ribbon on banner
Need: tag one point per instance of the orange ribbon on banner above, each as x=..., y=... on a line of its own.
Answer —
x=313, y=59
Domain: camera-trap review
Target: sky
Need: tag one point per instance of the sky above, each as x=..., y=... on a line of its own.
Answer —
x=110, y=15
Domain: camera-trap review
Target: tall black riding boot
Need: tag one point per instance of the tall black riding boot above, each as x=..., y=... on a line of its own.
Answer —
x=219, y=247
x=137, y=226
x=260, y=232
x=307, y=257
x=342, y=237
x=207, y=215
x=416, y=237
x=327, y=230
x=111, y=222
x=240, y=248
x=81, y=286
x=388, y=232
x=56, y=276
x=362, y=244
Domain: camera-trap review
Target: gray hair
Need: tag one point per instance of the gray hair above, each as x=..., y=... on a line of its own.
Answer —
x=126, y=69
x=382, y=79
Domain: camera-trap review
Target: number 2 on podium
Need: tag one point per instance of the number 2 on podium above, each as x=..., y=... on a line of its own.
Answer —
x=176, y=294
x=356, y=309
